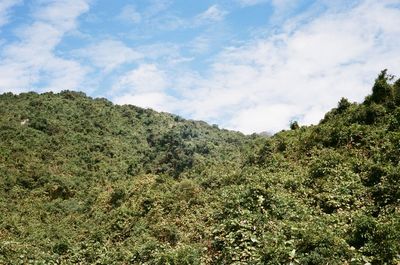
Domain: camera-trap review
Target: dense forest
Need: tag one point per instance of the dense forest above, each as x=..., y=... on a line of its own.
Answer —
x=84, y=181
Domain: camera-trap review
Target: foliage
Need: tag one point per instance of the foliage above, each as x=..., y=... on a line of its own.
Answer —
x=83, y=181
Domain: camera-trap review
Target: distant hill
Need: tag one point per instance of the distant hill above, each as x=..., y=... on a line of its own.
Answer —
x=266, y=134
x=84, y=181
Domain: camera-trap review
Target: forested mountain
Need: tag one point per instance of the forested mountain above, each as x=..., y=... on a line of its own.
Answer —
x=83, y=181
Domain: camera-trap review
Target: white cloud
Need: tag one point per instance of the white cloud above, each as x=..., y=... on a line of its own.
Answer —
x=282, y=7
x=31, y=60
x=146, y=78
x=61, y=13
x=253, y=119
x=278, y=5
x=158, y=16
x=213, y=14
x=5, y=7
x=109, y=54
x=168, y=53
x=155, y=7
x=251, y=2
x=168, y=22
x=64, y=74
x=261, y=85
x=129, y=13
x=308, y=70
x=154, y=16
x=200, y=44
x=156, y=100
x=298, y=74
x=146, y=86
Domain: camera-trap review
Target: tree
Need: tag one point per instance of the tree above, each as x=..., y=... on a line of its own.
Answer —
x=396, y=88
x=382, y=91
x=343, y=105
x=294, y=125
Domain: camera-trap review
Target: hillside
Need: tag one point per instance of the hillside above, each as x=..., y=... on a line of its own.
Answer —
x=85, y=181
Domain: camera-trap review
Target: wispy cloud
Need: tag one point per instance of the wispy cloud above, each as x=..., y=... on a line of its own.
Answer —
x=213, y=14
x=299, y=73
x=5, y=7
x=61, y=14
x=154, y=100
x=146, y=86
x=158, y=16
x=251, y=2
x=32, y=61
x=145, y=78
x=130, y=14
x=155, y=7
x=200, y=44
x=282, y=8
x=309, y=69
x=108, y=54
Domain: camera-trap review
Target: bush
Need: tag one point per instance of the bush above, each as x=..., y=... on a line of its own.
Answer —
x=362, y=231
x=61, y=247
x=378, y=239
x=325, y=164
x=117, y=197
x=373, y=112
x=394, y=120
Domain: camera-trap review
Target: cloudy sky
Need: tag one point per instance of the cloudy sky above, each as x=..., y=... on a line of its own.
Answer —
x=247, y=65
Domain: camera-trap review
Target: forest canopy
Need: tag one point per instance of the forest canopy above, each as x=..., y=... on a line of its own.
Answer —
x=85, y=181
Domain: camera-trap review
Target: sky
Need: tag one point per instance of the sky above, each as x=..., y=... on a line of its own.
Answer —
x=245, y=65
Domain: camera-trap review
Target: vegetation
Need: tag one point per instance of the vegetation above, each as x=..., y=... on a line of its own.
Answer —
x=83, y=181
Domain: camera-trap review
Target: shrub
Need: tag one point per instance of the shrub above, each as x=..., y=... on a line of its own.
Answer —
x=324, y=164
x=362, y=231
x=117, y=197
x=61, y=247
x=373, y=112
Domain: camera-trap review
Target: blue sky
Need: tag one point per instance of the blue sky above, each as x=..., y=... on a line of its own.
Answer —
x=247, y=65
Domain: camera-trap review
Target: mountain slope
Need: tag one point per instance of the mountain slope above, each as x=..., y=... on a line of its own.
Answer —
x=86, y=181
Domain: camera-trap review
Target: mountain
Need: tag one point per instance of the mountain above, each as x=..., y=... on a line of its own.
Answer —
x=83, y=181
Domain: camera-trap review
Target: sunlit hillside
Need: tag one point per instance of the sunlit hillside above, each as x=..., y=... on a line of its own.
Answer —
x=84, y=181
